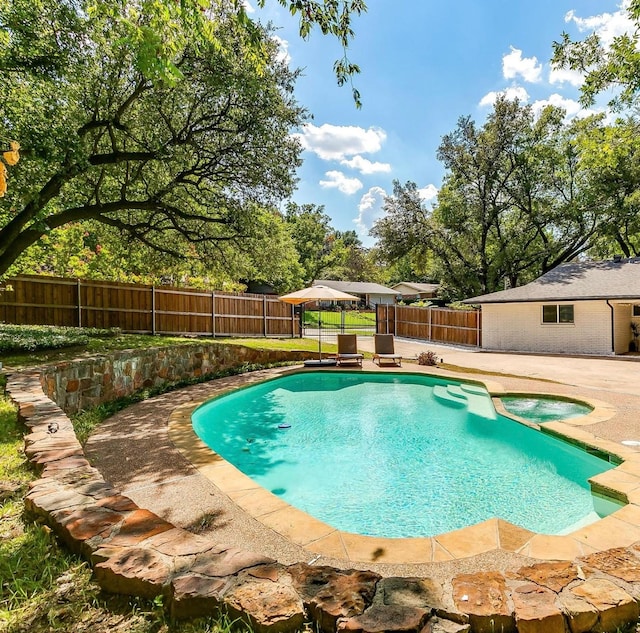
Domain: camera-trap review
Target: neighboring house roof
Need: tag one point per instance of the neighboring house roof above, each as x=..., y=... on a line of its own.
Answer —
x=418, y=287
x=356, y=287
x=611, y=279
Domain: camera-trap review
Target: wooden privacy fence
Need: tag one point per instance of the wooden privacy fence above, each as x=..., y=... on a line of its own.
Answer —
x=33, y=300
x=442, y=325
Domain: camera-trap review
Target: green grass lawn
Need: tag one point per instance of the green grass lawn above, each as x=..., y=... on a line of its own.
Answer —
x=36, y=345
x=44, y=588
x=353, y=319
x=289, y=344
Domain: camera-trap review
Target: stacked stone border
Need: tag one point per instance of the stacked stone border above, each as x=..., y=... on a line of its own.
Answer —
x=135, y=552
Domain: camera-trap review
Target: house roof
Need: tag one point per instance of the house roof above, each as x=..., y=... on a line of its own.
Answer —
x=356, y=287
x=418, y=287
x=611, y=279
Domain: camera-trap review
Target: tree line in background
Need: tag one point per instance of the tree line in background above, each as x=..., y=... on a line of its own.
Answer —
x=290, y=250
x=521, y=194
x=156, y=146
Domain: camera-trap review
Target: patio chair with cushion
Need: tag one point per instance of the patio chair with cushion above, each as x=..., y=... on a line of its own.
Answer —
x=385, y=351
x=348, y=350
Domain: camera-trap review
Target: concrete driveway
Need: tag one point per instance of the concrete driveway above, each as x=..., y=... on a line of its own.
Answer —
x=616, y=374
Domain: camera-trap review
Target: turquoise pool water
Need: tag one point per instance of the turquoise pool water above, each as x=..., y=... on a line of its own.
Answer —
x=544, y=409
x=398, y=455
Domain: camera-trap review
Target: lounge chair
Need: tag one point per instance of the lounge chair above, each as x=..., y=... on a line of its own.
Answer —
x=385, y=351
x=348, y=350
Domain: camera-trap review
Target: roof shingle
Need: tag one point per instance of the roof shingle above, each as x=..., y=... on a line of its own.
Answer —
x=608, y=279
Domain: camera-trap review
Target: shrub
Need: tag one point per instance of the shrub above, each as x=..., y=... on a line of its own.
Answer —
x=427, y=358
x=458, y=305
x=30, y=338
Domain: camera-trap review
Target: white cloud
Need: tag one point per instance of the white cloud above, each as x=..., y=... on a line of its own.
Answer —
x=365, y=166
x=562, y=76
x=336, y=142
x=606, y=25
x=248, y=7
x=573, y=108
x=370, y=209
x=428, y=193
x=337, y=180
x=514, y=92
x=283, y=50
x=514, y=65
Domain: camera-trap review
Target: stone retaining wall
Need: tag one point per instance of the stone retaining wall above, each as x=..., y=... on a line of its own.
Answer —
x=87, y=382
x=135, y=552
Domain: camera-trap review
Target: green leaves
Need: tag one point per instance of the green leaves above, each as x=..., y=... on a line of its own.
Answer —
x=614, y=67
x=332, y=17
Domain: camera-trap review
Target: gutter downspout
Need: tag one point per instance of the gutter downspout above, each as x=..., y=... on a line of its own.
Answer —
x=613, y=346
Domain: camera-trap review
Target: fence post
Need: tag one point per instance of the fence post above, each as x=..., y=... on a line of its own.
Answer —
x=478, y=315
x=386, y=321
x=293, y=321
x=264, y=316
x=153, y=310
x=213, y=314
x=79, y=305
x=429, y=308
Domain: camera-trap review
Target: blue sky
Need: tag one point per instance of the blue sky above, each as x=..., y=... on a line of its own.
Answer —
x=424, y=64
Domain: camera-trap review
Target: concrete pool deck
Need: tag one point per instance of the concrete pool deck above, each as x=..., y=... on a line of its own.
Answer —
x=150, y=452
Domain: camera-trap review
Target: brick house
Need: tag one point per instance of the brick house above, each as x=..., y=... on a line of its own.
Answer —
x=576, y=308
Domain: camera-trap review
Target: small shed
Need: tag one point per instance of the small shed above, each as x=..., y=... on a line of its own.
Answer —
x=576, y=308
x=370, y=293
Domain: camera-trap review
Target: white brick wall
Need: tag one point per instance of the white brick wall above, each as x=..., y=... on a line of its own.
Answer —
x=519, y=327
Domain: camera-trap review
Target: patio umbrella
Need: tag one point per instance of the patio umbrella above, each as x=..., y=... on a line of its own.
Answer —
x=318, y=293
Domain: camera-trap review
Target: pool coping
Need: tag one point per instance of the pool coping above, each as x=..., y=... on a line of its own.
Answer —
x=621, y=528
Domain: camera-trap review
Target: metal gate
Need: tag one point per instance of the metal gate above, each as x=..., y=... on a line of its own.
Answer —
x=328, y=323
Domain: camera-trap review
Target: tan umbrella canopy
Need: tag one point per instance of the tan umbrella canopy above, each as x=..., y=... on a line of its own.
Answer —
x=318, y=293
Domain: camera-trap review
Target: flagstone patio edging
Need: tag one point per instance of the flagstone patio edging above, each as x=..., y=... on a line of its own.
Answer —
x=135, y=552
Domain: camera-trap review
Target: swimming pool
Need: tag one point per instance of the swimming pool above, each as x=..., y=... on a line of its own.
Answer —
x=398, y=455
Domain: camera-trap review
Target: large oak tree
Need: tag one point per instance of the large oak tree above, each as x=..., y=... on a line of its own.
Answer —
x=162, y=162
x=516, y=201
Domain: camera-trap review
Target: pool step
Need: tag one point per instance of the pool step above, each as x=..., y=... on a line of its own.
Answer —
x=475, y=389
x=457, y=392
x=482, y=406
x=444, y=395
x=474, y=398
x=479, y=402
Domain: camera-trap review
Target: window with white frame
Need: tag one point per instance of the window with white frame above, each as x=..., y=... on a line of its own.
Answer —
x=557, y=313
x=636, y=309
